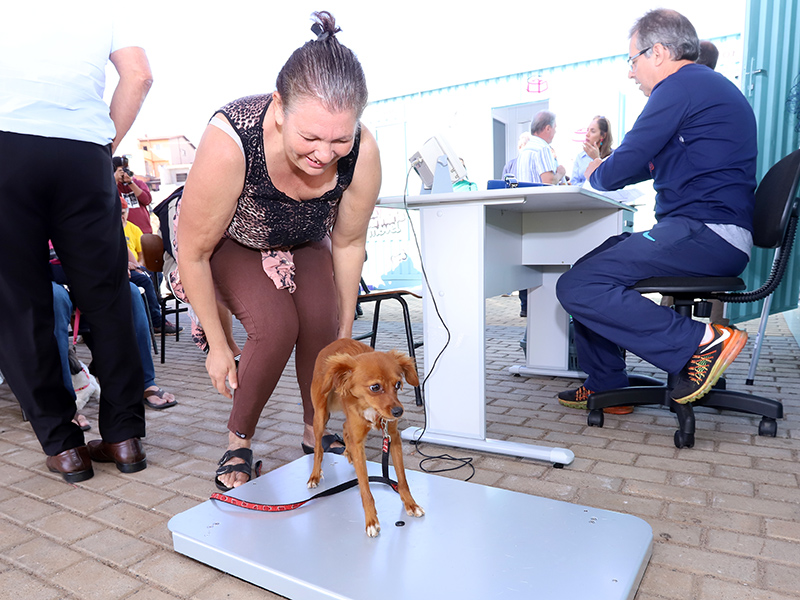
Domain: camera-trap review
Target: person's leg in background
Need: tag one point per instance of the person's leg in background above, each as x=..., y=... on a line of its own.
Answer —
x=62, y=309
x=29, y=355
x=154, y=396
x=87, y=235
x=523, y=303
x=143, y=281
x=597, y=293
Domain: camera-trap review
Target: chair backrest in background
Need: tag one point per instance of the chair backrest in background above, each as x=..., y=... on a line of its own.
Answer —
x=776, y=200
x=153, y=252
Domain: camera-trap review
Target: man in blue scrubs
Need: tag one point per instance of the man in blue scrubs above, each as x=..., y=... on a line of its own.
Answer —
x=696, y=139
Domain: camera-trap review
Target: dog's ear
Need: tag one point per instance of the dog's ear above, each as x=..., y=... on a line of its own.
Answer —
x=338, y=368
x=408, y=366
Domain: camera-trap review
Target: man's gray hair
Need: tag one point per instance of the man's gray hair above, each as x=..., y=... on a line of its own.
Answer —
x=541, y=120
x=669, y=28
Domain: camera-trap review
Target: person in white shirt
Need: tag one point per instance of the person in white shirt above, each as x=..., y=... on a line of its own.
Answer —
x=537, y=162
x=57, y=136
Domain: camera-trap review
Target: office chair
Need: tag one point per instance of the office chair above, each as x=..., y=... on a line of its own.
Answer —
x=774, y=226
x=153, y=254
x=378, y=296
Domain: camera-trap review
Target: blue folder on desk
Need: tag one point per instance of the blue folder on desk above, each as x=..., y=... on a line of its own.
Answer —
x=499, y=184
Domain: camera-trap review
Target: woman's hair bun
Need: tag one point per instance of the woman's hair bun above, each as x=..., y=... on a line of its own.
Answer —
x=325, y=25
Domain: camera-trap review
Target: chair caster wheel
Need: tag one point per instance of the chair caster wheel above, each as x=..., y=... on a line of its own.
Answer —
x=684, y=440
x=595, y=418
x=768, y=427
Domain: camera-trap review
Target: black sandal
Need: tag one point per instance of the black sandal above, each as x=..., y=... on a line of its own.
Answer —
x=246, y=454
x=327, y=441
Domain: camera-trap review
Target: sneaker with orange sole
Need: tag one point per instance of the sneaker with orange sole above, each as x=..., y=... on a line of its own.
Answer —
x=578, y=399
x=706, y=366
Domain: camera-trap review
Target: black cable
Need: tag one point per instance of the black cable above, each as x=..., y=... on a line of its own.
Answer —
x=462, y=462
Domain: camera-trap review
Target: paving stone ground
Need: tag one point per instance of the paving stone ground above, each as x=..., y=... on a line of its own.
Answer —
x=725, y=514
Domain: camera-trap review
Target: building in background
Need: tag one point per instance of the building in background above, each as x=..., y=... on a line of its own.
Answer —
x=166, y=160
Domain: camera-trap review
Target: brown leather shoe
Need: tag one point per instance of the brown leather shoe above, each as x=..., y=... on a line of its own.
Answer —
x=128, y=455
x=74, y=464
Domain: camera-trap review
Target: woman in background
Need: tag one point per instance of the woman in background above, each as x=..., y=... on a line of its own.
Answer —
x=597, y=144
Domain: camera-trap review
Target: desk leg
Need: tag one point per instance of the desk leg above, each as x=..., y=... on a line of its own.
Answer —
x=548, y=331
x=453, y=252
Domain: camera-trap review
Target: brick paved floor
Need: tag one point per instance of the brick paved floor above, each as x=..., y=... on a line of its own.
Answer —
x=725, y=514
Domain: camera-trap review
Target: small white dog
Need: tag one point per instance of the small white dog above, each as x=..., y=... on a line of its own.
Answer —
x=86, y=386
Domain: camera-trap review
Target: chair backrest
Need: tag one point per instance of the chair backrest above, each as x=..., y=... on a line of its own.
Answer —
x=776, y=201
x=153, y=252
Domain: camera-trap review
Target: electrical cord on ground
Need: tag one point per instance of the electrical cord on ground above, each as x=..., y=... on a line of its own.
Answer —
x=428, y=458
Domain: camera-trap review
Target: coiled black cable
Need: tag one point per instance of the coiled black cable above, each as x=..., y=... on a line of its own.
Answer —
x=775, y=276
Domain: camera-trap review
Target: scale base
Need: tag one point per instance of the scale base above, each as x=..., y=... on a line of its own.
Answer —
x=474, y=542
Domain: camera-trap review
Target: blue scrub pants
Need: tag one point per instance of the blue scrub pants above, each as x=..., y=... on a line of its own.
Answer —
x=608, y=315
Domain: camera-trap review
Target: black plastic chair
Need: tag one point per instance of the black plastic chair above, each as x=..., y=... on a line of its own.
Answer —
x=774, y=226
x=378, y=296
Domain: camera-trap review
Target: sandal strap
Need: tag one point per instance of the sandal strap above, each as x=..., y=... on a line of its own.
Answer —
x=238, y=468
x=329, y=439
x=246, y=454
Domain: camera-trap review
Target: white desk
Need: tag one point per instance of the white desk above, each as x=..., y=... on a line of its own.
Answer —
x=477, y=245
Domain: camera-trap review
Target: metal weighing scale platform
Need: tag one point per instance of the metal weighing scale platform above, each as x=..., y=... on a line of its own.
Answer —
x=474, y=542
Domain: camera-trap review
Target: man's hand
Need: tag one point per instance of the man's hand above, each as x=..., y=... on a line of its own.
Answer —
x=592, y=166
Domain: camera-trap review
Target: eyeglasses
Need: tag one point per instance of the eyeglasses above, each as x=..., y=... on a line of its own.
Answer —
x=632, y=59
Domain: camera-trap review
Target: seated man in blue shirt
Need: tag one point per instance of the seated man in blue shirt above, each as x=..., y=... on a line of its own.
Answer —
x=696, y=139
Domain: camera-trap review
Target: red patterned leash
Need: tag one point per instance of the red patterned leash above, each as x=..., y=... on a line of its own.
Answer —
x=334, y=490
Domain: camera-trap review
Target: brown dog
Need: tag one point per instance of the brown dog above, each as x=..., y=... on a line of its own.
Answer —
x=352, y=377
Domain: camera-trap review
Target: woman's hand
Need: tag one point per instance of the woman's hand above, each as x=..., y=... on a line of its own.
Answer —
x=221, y=367
x=592, y=151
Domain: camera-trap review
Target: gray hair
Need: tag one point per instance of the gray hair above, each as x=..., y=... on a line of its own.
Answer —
x=324, y=69
x=542, y=119
x=669, y=28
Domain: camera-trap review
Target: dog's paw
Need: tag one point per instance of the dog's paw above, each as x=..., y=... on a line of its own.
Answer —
x=414, y=510
x=374, y=529
x=314, y=480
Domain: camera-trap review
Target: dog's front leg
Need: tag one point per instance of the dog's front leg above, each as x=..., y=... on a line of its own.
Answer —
x=320, y=420
x=412, y=508
x=359, y=460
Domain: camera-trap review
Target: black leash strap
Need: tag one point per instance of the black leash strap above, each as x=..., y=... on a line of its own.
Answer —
x=384, y=478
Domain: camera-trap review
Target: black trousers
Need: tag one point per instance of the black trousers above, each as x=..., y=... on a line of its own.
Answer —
x=64, y=191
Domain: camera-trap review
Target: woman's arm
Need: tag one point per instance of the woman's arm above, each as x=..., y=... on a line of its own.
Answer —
x=349, y=235
x=207, y=207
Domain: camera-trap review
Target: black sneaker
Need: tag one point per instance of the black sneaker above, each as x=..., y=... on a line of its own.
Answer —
x=575, y=398
x=708, y=363
x=169, y=328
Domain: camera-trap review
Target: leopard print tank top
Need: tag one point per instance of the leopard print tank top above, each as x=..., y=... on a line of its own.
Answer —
x=265, y=217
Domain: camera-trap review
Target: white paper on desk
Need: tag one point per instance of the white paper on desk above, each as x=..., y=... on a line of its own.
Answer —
x=626, y=195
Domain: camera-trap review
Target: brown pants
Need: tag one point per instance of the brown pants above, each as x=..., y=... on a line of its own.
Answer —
x=276, y=322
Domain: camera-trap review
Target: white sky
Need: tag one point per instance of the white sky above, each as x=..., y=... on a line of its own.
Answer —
x=204, y=56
